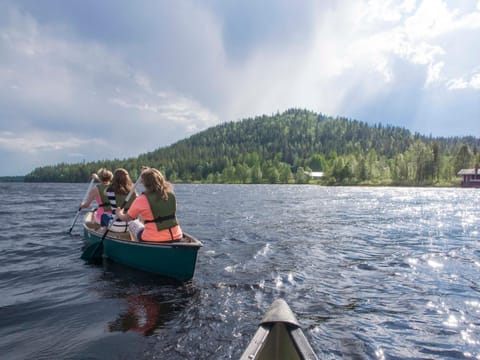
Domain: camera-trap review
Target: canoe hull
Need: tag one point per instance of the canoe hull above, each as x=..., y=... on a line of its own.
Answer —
x=176, y=260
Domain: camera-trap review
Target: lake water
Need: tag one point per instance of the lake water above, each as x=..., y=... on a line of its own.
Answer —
x=371, y=273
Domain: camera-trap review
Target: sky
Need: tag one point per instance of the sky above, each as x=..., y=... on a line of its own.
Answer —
x=94, y=80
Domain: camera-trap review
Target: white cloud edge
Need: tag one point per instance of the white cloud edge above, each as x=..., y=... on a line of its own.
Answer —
x=44, y=141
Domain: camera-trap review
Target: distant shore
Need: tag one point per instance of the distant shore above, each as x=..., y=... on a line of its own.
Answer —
x=11, y=179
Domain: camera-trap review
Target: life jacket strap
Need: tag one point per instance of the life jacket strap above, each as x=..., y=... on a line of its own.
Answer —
x=161, y=218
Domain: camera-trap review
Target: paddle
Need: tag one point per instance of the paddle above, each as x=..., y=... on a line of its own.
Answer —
x=94, y=251
x=80, y=209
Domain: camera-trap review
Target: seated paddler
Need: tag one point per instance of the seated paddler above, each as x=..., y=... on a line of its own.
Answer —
x=104, y=177
x=152, y=216
x=116, y=194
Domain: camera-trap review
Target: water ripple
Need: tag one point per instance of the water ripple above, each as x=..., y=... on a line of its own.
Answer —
x=372, y=273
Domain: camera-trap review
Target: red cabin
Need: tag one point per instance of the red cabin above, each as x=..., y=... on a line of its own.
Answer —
x=471, y=177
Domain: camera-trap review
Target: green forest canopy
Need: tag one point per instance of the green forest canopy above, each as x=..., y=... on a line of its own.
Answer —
x=284, y=148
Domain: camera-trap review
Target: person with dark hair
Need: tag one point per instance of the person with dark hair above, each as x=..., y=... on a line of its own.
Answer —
x=116, y=193
x=152, y=216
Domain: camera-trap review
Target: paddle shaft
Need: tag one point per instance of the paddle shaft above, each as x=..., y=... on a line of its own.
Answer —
x=80, y=208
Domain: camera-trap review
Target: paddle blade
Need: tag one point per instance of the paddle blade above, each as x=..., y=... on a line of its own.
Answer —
x=93, y=252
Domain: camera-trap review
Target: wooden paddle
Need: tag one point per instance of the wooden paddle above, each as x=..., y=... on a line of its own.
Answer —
x=80, y=209
x=94, y=251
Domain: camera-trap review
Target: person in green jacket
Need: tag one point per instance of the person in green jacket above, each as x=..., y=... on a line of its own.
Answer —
x=104, y=177
x=156, y=208
x=116, y=193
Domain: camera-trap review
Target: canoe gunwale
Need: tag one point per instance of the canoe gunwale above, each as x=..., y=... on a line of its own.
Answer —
x=124, y=238
x=195, y=244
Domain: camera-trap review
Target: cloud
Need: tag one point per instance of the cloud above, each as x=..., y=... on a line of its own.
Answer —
x=80, y=78
x=471, y=81
x=82, y=97
x=413, y=34
x=185, y=113
x=433, y=75
x=41, y=141
x=354, y=47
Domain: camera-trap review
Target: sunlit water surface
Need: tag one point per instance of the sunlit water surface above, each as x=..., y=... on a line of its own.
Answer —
x=371, y=273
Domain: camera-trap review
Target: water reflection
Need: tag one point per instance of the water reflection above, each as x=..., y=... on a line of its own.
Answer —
x=143, y=315
x=147, y=301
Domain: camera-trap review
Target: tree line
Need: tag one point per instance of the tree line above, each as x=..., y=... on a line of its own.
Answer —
x=286, y=147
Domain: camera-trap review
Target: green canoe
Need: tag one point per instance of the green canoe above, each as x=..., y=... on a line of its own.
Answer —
x=278, y=337
x=176, y=260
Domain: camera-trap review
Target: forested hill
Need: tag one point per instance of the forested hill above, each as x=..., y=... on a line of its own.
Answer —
x=283, y=148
